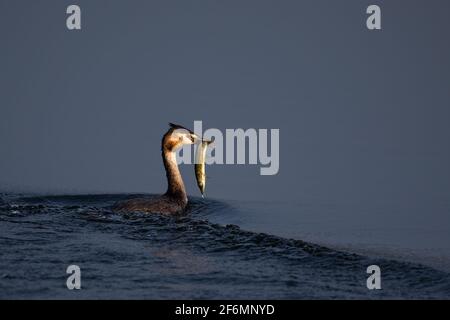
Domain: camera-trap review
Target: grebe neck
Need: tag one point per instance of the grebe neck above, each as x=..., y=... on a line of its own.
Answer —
x=175, y=185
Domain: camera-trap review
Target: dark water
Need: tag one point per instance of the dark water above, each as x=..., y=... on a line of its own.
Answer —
x=152, y=256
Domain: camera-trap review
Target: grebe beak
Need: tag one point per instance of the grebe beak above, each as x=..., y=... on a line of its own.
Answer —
x=209, y=141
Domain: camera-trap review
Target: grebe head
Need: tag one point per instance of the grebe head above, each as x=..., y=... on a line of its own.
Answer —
x=178, y=136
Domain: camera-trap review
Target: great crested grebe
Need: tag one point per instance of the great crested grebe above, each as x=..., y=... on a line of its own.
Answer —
x=175, y=199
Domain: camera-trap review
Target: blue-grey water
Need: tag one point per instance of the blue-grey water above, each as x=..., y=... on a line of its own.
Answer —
x=191, y=256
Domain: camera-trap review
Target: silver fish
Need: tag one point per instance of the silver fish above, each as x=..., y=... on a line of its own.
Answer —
x=200, y=158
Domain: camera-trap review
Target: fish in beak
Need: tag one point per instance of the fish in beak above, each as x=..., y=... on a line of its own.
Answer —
x=200, y=159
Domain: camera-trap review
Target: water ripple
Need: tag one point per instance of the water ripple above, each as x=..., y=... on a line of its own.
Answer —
x=152, y=256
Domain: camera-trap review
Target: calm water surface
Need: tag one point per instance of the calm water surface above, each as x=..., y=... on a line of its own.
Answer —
x=193, y=256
